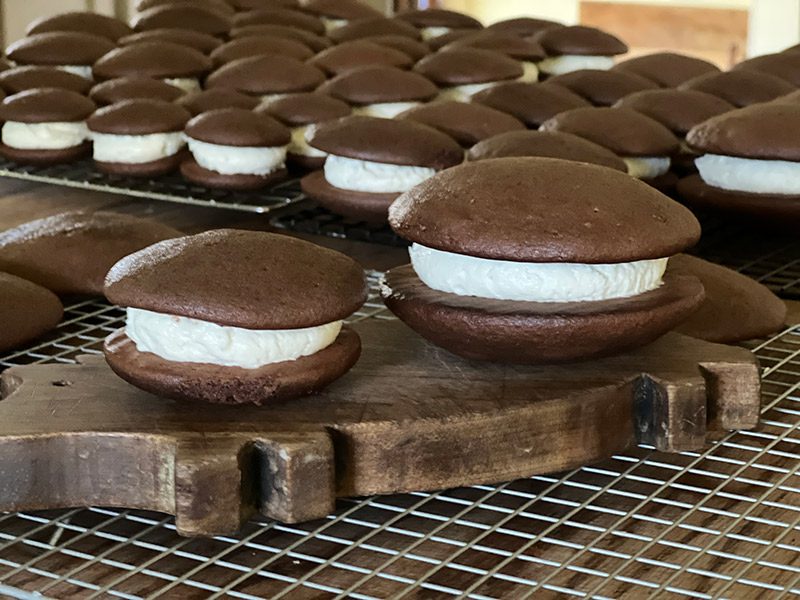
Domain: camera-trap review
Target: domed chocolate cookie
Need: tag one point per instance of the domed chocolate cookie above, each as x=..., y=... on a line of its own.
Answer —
x=740, y=88
x=531, y=103
x=601, y=88
x=350, y=56
x=666, y=69
x=68, y=50
x=27, y=311
x=374, y=26
x=202, y=42
x=200, y=102
x=83, y=22
x=578, y=47
x=466, y=123
x=130, y=88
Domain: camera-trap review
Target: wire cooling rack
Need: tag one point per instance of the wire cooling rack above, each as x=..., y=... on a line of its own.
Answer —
x=721, y=523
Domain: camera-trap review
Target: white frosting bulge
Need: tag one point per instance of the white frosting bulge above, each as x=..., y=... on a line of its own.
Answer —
x=44, y=136
x=752, y=175
x=299, y=144
x=187, y=84
x=268, y=99
x=530, y=72
x=183, y=339
x=428, y=33
x=237, y=160
x=366, y=176
x=84, y=71
x=534, y=282
x=558, y=65
x=136, y=149
x=464, y=93
x=333, y=24
x=384, y=110
x=647, y=167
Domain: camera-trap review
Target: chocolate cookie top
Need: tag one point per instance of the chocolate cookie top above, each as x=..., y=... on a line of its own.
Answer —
x=202, y=42
x=365, y=138
x=199, y=102
x=546, y=144
x=543, y=210
x=462, y=66
x=621, y=130
x=266, y=74
x=256, y=46
x=440, y=41
x=296, y=110
x=438, y=17
x=531, y=103
x=667, y=69
x=677, y=110
x=315, y=42
x=785, y=65
x=46, y=105
x=20, y=79
x=85, y=22
x=248, y=4
x=361, y=28
x=465, y=123
x=183, y=16
x=504, y=43
x=348, y=10
x=579, y=39
x=412, y=48
x=601, y=88
x=764, y=131
x=298, y=284
x=139, y=117
x=740, y=88
x=152, y=59
x=237, y=127
x=524, y=26
x=280, y=16
x=369, y=85
x=27, y=311
x=59, y=48
x=222, y=6
x=357, y=54
x=129, y=88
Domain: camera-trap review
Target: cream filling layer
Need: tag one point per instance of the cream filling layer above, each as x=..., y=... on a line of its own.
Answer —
x=237, y=160
x=84, y=71
x=751, y=175
x=464, y=93
x=428, y=33
x=183, y=339
x=136, y=149
x=558, y=65
x=647, y=167
x=44, y=136
x=384, y=110
x=333, y=24
x=187, y=84
x=534, y=282
x=299, y=144
x=367, y=176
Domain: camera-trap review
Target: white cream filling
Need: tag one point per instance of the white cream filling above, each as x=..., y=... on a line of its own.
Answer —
x=84, y=71
x=366, y=176
x=333, y=24
x=299, y=144
x=464, y=93
x=187, y=84
x=647, y=167
x=384, y=110
x=268, y=99
x=534, y=282
x=135, y=149
x=530, y=72
x=428, y=33
x=752, y=175
x=183, y=339
x=237, y=160
x=44, y=136
x=558, y=65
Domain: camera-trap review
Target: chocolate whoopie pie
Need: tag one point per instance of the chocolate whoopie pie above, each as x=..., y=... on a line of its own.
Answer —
x=372, y=160
x=27, y=311
x=546, y=144
x=84, y=22
x=531, y=103
x=315, y=42
x=643, y=143
x=139, y=138
x=71, y=252
x=785, y=65
x=200, y=102
x=578, y=47
x=45, y=126
x=601, y=88
x=358, y=54
x=202, y=42
x=435, y=22
x=463, y=72
x=242, y=339
x=666, y=69
x=175, y=64
x=256, y=46
x=130, y=88
x=466, y=123
x=416, y=50
x=302, y=112
x=183, y=16
x=524, y=26
x=750, y=162
x=528, y=52
x=740, y=88
x=19, y=79
x=338, y=13
x=235, y=148
x=268, y=76
x=380, y=91
x=524, y=260
x=362, y=28
x=280, y=16
x=71, y=51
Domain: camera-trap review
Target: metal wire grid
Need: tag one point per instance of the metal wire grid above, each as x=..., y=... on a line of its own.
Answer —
x=171, y=188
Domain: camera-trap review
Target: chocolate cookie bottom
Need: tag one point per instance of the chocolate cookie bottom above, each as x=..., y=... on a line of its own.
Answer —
x=240, y=181
x=45, y=157
x=162, y=166
x=365, y=206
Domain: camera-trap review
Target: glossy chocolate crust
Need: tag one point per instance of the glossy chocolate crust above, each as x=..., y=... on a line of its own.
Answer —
x=129, y=88
x=531, y=103
x=259, y=75
x=46, y=105
x=232, y=385
x=156, y=59
x=534, y=332
x=601, y=88
x=369, y=85
x=203, y=42
x=358, y=54
x=139, y=117
x=237, y=127
x=579, y=39
x=296, y=110
x=361, y=206
x=740, y=88
x=375, y=26
x=59, y=48
x=82, y=21
x=27, y=311
x=19, y=79
x=677, y=110
x=667, y=69
x=205, y=100
x=240, y=181
x=461, y=66
x=437, y=17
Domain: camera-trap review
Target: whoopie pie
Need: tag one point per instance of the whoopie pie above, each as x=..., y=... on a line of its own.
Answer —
x=526, y=260
x=19, y=79
x=531, y=103
x=578, y=47
x=372, y=160
x=45, y=126
x=235, y=148
x=527, y=51
x=200, y=327
x=130, y=88
x=81, y=21
x=601, y=88
x=524, y=26
x=71, y=51
x=435, y=22
x=740, y=88
x=666, y=69
x=785, y=65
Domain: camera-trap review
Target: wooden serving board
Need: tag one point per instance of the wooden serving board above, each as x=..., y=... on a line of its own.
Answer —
x=409, y=416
